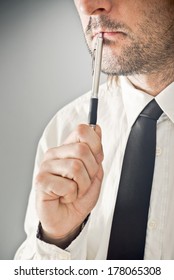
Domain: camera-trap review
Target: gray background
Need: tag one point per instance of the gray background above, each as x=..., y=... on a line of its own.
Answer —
x=44, y=64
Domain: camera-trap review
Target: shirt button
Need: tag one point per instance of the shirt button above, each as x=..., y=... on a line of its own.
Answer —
x=158, y=151
x=152, y=224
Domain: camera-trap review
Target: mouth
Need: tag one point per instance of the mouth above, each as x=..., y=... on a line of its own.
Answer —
x=113, y=34
x=109, y=34
x=109, y=38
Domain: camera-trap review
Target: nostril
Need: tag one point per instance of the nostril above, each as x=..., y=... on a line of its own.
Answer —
x=91, y=7
x=99, y=11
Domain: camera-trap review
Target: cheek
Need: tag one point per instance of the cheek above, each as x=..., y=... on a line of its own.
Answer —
x=84, y=20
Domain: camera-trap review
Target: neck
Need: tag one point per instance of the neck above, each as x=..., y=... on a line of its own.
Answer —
x=154, y=83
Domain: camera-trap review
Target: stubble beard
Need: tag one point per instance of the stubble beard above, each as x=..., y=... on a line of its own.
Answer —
x=146, y=52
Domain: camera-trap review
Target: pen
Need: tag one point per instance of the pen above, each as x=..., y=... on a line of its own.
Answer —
x=96, y=80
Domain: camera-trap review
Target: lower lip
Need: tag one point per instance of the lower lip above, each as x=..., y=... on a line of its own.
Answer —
x=112, y=34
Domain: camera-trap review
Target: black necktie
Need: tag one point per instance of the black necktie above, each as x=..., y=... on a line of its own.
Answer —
x=128, y=232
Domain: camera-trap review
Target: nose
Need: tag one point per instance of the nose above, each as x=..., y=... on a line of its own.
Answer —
x=94, y=7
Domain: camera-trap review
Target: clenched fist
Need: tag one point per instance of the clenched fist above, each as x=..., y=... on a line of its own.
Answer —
x=69, y=181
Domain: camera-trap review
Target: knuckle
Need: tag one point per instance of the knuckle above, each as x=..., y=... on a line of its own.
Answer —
x=76, y=166
x=81, y=130
x=82, y=150
x=39, y=179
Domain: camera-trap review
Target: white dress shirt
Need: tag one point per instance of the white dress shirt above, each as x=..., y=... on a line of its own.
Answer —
x=119, y=106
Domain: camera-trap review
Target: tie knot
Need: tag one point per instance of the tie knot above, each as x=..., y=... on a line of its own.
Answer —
x=152, y=110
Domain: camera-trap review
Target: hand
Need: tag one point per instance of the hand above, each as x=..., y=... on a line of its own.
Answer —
x=69, y=181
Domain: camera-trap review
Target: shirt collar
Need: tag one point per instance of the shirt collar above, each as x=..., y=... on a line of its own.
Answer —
x=165, y=99
x=135, y=100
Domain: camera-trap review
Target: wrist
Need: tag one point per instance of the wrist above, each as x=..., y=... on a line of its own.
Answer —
x=63, y=241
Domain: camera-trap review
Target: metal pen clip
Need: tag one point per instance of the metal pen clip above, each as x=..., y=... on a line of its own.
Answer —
x=97, y=59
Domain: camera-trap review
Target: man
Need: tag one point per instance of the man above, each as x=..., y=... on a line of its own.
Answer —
x=77, y=170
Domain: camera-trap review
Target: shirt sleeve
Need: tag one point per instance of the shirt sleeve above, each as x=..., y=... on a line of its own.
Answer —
x=36, y=249
x=32, y=247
